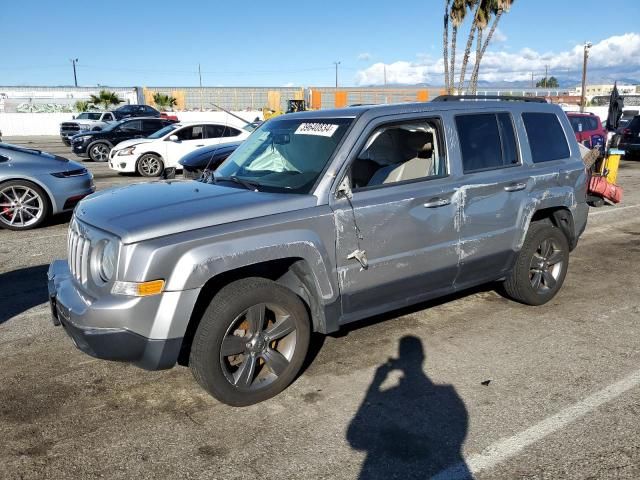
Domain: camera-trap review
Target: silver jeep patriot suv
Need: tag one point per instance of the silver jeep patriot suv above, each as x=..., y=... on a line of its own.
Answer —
x=319, y=219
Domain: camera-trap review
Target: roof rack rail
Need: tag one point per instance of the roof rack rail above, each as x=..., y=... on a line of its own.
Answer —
x=457, y=98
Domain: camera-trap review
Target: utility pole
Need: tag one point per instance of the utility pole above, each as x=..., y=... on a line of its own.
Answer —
x=532, y=84
x=336, y=63
x=200, y=76
x=75, y=76
x=587, y=46
x=546, y=76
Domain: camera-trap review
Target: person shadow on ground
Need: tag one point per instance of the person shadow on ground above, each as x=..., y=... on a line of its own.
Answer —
x=415, y=429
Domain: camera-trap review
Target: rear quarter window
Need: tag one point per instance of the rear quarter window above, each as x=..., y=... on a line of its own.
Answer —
x=487, y=141
x=546, y=137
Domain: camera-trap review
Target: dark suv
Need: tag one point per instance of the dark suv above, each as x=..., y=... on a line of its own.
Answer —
x=97, y=145
x=128, y=111
x=630, y=138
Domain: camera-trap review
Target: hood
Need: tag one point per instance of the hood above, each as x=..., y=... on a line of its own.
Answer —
x=149, y=210
x=200, y=157
x=132, y=142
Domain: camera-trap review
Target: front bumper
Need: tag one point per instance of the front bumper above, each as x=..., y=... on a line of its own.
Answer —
x=73, y=310
x=122, y=163
x=80, y=149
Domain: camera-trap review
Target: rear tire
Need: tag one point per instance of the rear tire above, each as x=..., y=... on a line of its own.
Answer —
x=541, y=266
x=23, y=205
x=251, y=342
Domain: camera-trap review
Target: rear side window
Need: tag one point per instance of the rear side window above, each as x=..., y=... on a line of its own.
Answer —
x=132, y=125
x=546, y=137
x=487, y=141
x=151, y=125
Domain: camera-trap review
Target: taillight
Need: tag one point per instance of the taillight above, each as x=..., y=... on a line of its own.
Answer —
x=626, y=131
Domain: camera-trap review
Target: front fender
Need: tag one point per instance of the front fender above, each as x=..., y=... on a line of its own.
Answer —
x=196, y=266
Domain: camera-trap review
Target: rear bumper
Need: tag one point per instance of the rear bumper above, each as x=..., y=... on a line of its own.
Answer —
x=69, y=309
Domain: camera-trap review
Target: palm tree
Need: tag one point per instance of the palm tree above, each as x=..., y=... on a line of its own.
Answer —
x=497, y=8
x=106, y=99
x=445, y=44
x=164, y=102
x=82, y=106
x=485, y=10
x=476, y=6
x=458, y=12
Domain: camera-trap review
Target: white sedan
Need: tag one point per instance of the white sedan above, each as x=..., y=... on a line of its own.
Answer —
x=162, y=149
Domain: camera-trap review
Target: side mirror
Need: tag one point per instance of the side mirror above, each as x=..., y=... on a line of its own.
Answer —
x=344, y=190
x=73, y=117
x=174, y=138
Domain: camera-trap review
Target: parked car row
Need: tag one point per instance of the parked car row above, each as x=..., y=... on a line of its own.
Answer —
x=96, y=145
x=164, y=148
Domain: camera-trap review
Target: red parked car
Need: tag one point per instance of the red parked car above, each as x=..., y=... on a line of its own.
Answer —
x=588, y=129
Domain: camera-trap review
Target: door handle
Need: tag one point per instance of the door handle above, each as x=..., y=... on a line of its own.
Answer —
x=515, y=187
x=437, y=202
x=200, y=145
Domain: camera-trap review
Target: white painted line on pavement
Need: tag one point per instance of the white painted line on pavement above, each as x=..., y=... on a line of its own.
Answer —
x=44, y=237
x=613, y=210
x=503, y=450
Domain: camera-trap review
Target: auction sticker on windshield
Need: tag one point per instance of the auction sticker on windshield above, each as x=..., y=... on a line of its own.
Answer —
x=320, y=129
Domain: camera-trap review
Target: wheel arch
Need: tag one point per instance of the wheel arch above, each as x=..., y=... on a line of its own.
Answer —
x=293, y=273
x=560, y=217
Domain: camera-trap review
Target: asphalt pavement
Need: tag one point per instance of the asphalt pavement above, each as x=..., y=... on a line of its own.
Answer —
x=472, y=384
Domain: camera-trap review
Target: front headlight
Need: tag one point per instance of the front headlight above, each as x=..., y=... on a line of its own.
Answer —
x=107, y=261
x=127, y=151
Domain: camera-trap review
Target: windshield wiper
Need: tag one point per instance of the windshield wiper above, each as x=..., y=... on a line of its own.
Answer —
x=253, y=186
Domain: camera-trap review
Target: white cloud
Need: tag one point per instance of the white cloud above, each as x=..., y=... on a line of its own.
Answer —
x=498, y=36
x=616, y=55
x=365, y=57
x=289, y=84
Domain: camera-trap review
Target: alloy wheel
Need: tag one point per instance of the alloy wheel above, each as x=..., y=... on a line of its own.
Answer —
x=150, y=166
x=20, y=206
x=100, y=152
x=546, y=266
x=258, y=346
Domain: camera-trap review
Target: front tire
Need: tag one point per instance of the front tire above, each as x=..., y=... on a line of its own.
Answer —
x=541, y=266
x=150, y=165
x=99, y=152
x=251, y=342
x=23, y=205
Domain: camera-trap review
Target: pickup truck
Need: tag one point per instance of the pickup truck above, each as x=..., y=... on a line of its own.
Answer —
x=85, y=121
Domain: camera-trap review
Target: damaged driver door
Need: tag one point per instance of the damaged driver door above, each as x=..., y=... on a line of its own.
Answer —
x=396, y=241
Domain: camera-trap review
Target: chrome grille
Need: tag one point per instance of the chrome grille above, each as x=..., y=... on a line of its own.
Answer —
x=79, y=248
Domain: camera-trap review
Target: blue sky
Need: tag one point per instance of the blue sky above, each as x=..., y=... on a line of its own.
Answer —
x=284, y=42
